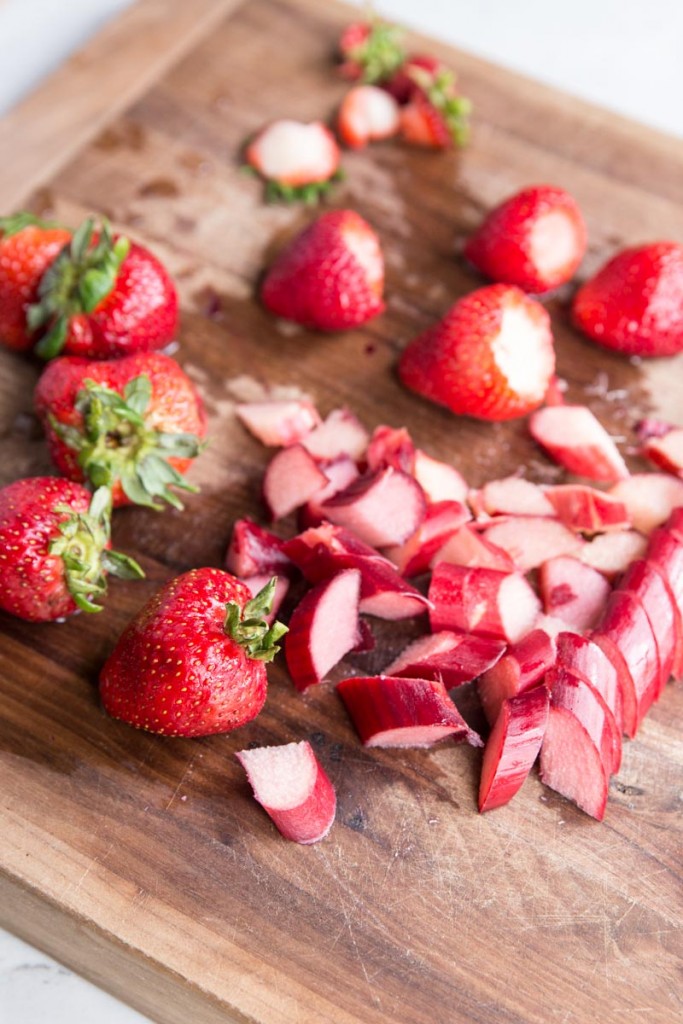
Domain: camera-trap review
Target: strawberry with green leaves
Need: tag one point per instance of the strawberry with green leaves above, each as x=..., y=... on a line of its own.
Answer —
x=132, y=424
x=192, y=662
x=371, y=51
x=103, y=297
x=435, y=116
x=55, y=549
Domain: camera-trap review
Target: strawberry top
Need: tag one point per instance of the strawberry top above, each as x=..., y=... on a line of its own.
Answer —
x=371, y=50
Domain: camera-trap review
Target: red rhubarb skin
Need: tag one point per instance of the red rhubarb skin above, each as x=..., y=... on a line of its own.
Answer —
x=585, y=703
x=468, y=600
x=519, y=669
x=299, y=652
x=582, y=656
x=665, y=554
x=468, y=658
x=644, y=582
x=359, y=506
x=578, y=775
x=441, y=521
x=513, y=746
x=254, y=551
x=587, y=510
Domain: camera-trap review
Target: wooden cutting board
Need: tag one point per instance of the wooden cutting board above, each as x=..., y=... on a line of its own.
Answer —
x=143, y=862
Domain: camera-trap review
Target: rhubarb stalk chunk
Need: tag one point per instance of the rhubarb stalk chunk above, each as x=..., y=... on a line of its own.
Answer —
x=482, y=601
x=323, y=628
x=292, y=787
x=571, y=764
x=513, y=746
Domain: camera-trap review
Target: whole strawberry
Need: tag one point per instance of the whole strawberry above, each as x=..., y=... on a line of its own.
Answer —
x=491, y=356
x=132, y=424
x=436, y=115
x=634, y=304
x=330, y=277
x=536, y=239
x=192, y=662
x=371, y=51
x=27, y=248
x=103, y=297
x=55, y=549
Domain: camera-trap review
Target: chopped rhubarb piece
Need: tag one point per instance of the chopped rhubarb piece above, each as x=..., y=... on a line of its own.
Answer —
x=384, y=593
x=649, y=498
x=341, y=472
x=644, y=581
x=341, y=433
x=455, y=658
x=255, y=585
x=481, y=601
x=255, y=551
x=666, y=452
x=382, y=508
x=531, y=540
x=512, y=747
x=651, y=427
x=467, y=547
x=573, y=591
x=323, y=628
x=612, y=553
x=515, y=496
x=553, y=625
x=391, y=446
x=291, y=479
x=520, y=668
x=571, y=763
x=583, y=657
x=438, y=480
x=389, y=711
x=292, y=787
x=587, y=510
x=278, y=423
x=440, y=522
x=665, y=556
x=570, y=691
x=575, y=439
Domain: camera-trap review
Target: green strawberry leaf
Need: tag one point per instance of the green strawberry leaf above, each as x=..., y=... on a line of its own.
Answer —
x=247, y=626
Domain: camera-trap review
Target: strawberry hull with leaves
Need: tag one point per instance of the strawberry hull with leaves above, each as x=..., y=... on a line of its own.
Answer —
x=131, y=424
x=192, y=663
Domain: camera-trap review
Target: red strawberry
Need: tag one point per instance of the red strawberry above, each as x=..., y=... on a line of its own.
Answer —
x=491, y=356
x=634, y=304
x=435, y=115
x=367, y=114
x=27, y=248
x=192, y=662
x=401, y=85
x=131, y=424
x=103, y=297
x=299, y=161
x=370, y=50
x=535, y=239
x=330, y=277
x=55, y=549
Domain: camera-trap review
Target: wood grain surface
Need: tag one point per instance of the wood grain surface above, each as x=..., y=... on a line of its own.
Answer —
x=143, y=862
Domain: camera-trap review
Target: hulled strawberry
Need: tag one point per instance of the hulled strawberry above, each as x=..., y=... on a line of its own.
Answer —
x=55, y=549
x=536, y=239
x=192, y=662
x=371, y=51
x=330, y=277
x=130, y=424
x=27, y=248
x=298, y=161
x=491, y=356
x=634, y=304
x=435, y=115
x=103, y=297
x=367, y=114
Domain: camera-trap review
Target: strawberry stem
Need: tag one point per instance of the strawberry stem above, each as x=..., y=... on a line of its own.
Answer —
x=247, y=626
x=381, y=53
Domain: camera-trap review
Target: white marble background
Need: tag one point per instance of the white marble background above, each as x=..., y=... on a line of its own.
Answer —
x=623, y=54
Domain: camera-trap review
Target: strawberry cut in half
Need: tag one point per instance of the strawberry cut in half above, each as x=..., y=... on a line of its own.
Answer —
x=491, y=357
x=367, y=114
x=330, y=277
x=299, y=162
x=536, y=239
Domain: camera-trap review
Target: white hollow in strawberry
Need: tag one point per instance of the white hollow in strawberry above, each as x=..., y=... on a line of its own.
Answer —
x=643, y=580
x=649, y=498
x=255, y=551
x=454, y=658
x=569, y=691
x=666, y=452
x=293, y=153
x=278, y=423
x=531, y=540
x=340, y=473
x=520, y=668
x=572, y=765
x=395, y=712
x=513, y=495
x=255, y=585
x=482, y=601
x=575, y=439
x=573, y=591
x=323, y=628
x=441, y=521
x=382, y=508
x=367, y=114
x=512, y=747
x=293, y=788
x=340, y=433
x=612, y=553
x=438, y=480
x=469, y=548
x=291, y=479
x=586, y=659
x=587, y=510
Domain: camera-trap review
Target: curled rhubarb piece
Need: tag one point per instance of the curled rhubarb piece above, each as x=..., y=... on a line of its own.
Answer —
x=585, y=703
x=531, y=540
x=649, y=498
x=512, y=747
x=291, y=479
x=323, y=628
x=454, y=658
x=441, y=521
x=584, y=658
x=643, y=581
x=513, y=495
x=293, y=788
x=469, y=548
x=382, y=508
x=573, y=591
x=255, y=551
x=482, y=601
x=340, y=433
x=571, y=764
x=391, y=446
x=278, y=423
x=438, y=480
x=575, y=439
x=341, y=472
x=587, y=510
x=612, y=553
x=520, y=668
x=395, y=712
x=666, y=452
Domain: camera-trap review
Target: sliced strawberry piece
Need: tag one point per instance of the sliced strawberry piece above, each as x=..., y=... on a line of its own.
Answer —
x=396, y=712
x=575, y=439
x=255, y=585
x=584, y=658
x=323, y=628
x=612, y=553
x=391, y=446
x=666, y=452
x=470, y=548
x=644, y=581
x=512, y=747
x=341, y=433
x=513, y=495
x=292, y=787
x=481, y=601
x=532, y=540
x=587, y=510
x=341, y=472
x=521, y=667
x=297, y=160
x=416, y=554
x=438, y=480
x=255, y=551
x=278, y=424
x=536, y=240
x=367, y=114
x=490, y=357
x=435, y=115
x=382, y=508
x=571, y=692
x=571, y=764
x=649, y=498
x=291, y=479
x=454, y=658
x=573, y=591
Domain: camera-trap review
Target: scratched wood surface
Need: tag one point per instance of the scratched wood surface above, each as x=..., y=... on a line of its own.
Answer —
x=143, y=862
